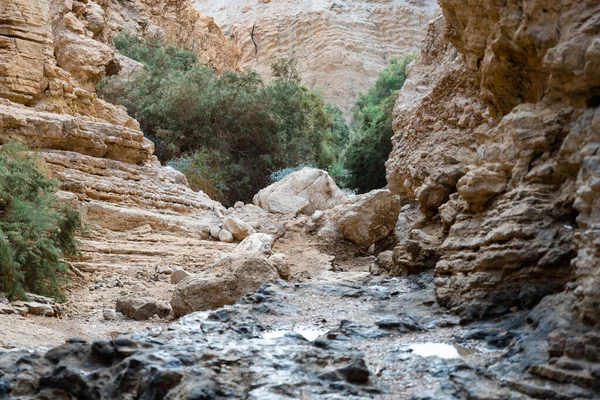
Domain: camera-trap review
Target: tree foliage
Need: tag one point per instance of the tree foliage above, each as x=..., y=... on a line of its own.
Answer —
x=230, y=128
x=36, y=231
x=370, y=140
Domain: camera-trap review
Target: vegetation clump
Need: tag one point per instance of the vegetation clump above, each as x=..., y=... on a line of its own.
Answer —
x=36, y=230
x=371, y=131
x=227, y=132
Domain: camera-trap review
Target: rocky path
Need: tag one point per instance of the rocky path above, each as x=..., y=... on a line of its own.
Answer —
x=334, y=331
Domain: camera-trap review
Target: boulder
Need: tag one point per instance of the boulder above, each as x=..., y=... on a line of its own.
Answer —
x=225, y=281
x=238, y=228
x=303, y=191
x=366, y=219
x=261, y=242
x=142, y=308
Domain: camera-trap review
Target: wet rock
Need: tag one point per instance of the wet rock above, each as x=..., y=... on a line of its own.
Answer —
x=260, y=242
x=357, y=372
x=142, y=308
x=223, y=282
x=303, y=191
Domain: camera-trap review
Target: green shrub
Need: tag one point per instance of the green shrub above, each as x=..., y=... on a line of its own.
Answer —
x=370, y=140
x=35, y=229
x=202, y=172
x=231, y=122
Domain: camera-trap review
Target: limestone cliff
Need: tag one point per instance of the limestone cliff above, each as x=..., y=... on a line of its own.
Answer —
x=497, y=138
x=341, y=46
x=83, y=33
x=104, y=163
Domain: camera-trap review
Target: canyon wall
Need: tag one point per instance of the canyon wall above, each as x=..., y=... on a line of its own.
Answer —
x=51, y=53
x=341, y=46
x=498, y=139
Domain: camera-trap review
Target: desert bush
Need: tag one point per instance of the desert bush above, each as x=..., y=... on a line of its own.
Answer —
x=371, y=132
x=238, y=128
x=36, y=230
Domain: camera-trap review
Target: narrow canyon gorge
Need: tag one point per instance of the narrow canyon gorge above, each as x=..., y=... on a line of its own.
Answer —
x=474, y=274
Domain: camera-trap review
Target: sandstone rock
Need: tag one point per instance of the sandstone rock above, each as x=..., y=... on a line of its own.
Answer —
x=366, y=219
x=497, y=137
x=280, y=261
x=214, y=232
x=427, y=161
x=109, y=314
x=224, y=282
x=383, y=263
x=303, y=191
x=341, y=47
x=178, y=275
x=34, y=308
x=238, y=204
x=142, y=308
x=238, y=228
x=225, y=236
x=418, y=253
x=260, y=242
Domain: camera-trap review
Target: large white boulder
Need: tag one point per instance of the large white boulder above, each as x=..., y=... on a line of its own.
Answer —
x=365, y=219
x=304, y=191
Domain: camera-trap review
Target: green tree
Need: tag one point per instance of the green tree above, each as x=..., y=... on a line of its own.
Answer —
x=36, y=230
x=227, y=132
x=371, y=131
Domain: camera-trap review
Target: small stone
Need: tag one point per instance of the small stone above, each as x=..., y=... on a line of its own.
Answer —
x=317, y=215
x=238, y=204
x=214, y=232
x=279, y=260
x=164, y=269
x=225, y=236
x=178, y=275
x=357, y=372
x=142, y=308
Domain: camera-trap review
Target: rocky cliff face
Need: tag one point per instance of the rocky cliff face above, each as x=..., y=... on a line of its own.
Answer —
x=501, y=147
x=340, y=46
x=83, y=33
x=497, y=139
x=95, y=149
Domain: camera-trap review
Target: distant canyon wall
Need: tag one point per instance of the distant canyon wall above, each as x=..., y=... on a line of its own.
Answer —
x=341, y=46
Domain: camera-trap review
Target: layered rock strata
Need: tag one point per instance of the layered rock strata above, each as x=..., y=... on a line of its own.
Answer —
x=500, y=148
x=98, y=153
x=84, y=30
x=341, y=46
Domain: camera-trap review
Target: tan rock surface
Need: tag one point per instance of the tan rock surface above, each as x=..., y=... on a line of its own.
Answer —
x=341, y=46
x=365, y=219
x=223, y=283
x=435, y=119
x=523, y=168
x=304, y=191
